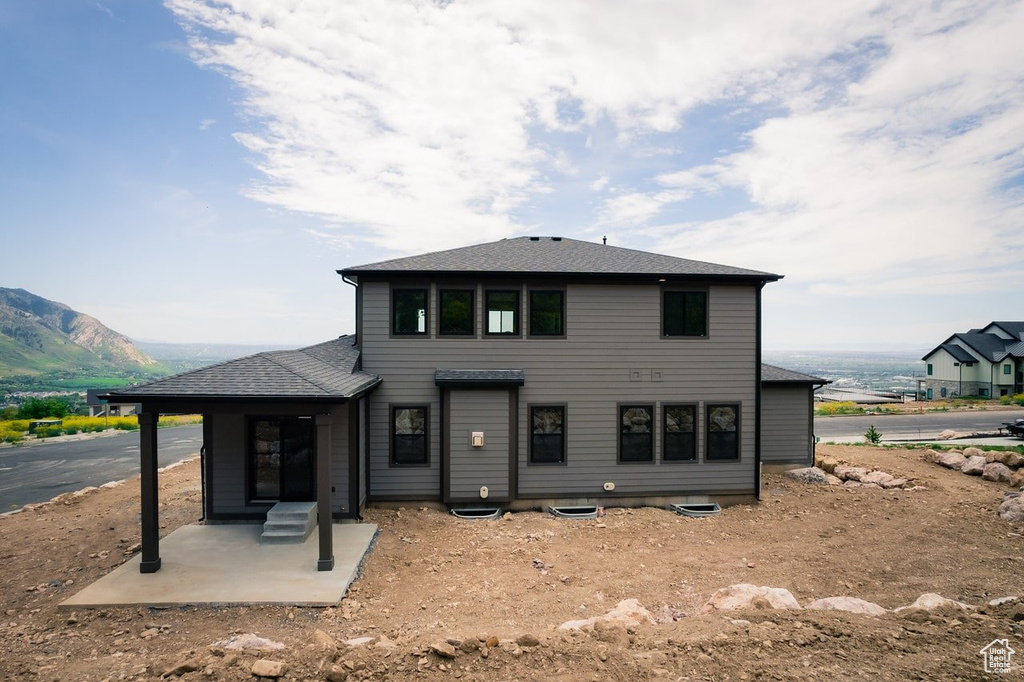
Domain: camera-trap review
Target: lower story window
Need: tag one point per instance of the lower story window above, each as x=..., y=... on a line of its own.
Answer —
x=547, y=435
x=723, y=429
x=409, y=436
x=679, y=435
x=636, y=425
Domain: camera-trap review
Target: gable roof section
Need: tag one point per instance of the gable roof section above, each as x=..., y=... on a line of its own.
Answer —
x=553, y=255
x=1014, y=329
x=770, y=374
x=959, y=353
x=325, y=372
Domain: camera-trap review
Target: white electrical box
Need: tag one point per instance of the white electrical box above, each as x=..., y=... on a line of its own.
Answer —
x=484, y=492
x=609, y=486
x=476, y=439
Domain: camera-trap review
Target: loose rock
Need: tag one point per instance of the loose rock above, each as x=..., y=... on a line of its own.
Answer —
x=807, y=475
x=974, y=466
x=443, y=649
x=930, y=601
x=268, y=668
x=628, y=613
x=996, y=471
x=250, y=642
x=744, y=595
x=850, y=604
x=951, y=460
x=1012, y=508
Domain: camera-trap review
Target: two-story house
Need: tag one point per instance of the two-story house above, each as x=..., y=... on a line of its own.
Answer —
x=986, y=362
x=522, y=372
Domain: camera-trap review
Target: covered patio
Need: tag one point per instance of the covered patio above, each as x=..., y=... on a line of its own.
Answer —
x=226, y=564
x=280, y=426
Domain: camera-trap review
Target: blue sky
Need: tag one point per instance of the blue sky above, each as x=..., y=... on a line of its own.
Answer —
x=196, y=171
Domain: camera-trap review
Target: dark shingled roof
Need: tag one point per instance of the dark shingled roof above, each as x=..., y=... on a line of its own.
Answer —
x=478, y=377
x=553, y=255
x=959, y=353
x=771, y=374
x=990, y=346
x=1014, y=329
x=326, y=371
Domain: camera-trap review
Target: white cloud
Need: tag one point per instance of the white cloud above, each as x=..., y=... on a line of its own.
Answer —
x=892, y=133
x=207, y=123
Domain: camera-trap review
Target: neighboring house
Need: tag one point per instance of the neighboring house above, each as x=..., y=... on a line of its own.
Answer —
x=518, y=373
x=101, y=408
x=986, y=362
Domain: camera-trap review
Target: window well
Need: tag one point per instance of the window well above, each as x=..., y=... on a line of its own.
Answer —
x=579, y=512
x=697, y=509
x=477, y=513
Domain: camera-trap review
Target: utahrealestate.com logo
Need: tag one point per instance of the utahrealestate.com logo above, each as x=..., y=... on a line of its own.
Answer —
x=997, y=656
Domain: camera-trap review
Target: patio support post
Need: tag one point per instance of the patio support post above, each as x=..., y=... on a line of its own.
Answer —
x=323, y=492
x=150, y=493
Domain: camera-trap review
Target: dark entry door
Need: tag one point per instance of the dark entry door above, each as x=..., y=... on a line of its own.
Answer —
x=283, y=459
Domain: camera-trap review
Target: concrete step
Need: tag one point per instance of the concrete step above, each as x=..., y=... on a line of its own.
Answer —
x=289, y=523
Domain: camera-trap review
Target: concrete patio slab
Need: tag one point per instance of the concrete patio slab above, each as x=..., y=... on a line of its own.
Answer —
x=226, y=564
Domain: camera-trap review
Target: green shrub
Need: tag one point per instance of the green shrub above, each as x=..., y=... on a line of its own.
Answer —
x=48, y=431
x=1019, y=399
x=872, y=435
x=70, y=431
x=1005, y=399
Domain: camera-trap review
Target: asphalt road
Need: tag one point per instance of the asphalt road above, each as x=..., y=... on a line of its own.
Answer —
x=906, y=427
x=38, y=472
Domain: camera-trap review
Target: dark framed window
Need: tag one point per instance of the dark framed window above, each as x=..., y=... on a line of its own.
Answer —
x=1007, y=369
x=929, y=369
x=684, y=313
x=547, y=313
x=723, y=429
x=410, y=435
x=409, y=311
x=502, y=309
x=547, y=434
x=679, y=433
x=636, y=433
x=456, y=314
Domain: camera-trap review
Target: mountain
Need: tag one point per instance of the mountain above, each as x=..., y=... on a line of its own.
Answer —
x=39, y=336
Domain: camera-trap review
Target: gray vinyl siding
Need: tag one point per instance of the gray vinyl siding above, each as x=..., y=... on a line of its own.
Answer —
x=471, y=467
x=229, y=465
x=613, y=333
x=786, y=424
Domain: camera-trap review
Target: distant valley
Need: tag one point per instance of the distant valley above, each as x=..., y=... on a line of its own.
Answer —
x=46, y=346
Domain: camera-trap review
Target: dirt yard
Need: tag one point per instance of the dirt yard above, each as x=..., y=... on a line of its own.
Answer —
x=433, y=580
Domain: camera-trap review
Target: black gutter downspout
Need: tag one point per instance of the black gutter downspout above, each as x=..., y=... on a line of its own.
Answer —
x=757, y=400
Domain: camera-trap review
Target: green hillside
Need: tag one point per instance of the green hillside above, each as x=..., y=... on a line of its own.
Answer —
x=47, y=345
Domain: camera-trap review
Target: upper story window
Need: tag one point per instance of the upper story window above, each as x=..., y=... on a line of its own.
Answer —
x=684, y=313
x=929, y=369
x=679, y=433
x=723, y=430
x=409, y=311
x=456, y=313
x=636, y=437
x=502, y=308
x=1007, y=369
x=547, y=313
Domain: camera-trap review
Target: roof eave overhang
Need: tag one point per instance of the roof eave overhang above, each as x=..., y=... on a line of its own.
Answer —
x=212, y=398
x=796, y=382
x=625, y=277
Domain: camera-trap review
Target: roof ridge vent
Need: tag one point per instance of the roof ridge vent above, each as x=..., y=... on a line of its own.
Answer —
x=556, y=239
x=534, y=239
